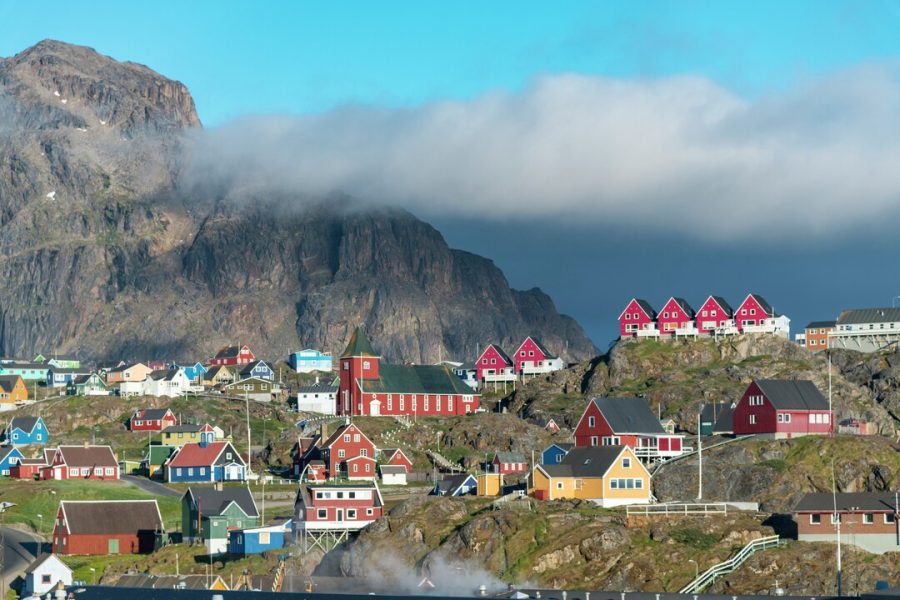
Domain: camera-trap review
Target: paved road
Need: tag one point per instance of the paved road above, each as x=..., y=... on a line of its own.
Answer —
x=19, y=550
x=151, y=487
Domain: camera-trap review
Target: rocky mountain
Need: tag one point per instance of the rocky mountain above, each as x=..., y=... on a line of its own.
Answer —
x=105, y=253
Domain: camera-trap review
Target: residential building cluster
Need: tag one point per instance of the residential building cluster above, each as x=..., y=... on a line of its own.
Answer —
x=860, y=329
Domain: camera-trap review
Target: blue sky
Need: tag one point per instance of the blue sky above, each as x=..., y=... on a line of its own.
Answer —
x=809, y=91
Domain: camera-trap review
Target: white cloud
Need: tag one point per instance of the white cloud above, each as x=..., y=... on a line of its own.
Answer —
x=679, y=154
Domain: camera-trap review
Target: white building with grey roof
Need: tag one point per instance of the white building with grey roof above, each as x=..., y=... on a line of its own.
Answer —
x=866, y=329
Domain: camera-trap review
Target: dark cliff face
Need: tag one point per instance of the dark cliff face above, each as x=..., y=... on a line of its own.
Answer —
x=101, y=254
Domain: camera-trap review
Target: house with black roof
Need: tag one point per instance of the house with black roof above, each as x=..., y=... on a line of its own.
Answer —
x=782, y=408
x=866, y=329
x=868, y=520
x=605, y=475
x=208, y=513
x=610, y=421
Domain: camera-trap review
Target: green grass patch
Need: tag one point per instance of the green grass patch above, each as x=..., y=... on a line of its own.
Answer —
x=693, y=537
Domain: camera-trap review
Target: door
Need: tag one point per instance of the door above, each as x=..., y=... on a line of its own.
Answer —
x=375, y=408
x=112, y=546
x=340, y=515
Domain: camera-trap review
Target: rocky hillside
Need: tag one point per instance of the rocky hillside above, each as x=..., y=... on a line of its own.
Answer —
x=678, y=377
x=105, y=252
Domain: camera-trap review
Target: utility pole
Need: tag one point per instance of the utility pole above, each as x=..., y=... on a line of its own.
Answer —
x=247, y=406
x=836, y=518
x=699, y=461
x=830, y=409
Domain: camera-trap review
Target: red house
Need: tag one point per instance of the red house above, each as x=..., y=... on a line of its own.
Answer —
x=396, y=457
x=637, y=316
x=782, y=408
x=532, y=358
x=101, y=527
x=152, y=419
x=714, y=313
x=494, y=365
x=349, y=453
x=509, y=463
x=230, y=356
x=343, y=507
x=629, y=422
x=754, y=310
x=676, y=313
x=82, y=462
x=370, y=388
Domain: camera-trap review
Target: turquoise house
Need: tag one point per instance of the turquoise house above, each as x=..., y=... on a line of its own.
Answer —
x=27, y=371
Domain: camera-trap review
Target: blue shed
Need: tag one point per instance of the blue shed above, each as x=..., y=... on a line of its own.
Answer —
x=555, y=453
x=256, y=540
x=193, y=372
x=9, y=457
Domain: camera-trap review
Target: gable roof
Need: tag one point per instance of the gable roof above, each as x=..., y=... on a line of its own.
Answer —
x=825, y=501
x=416, y=379
x=628, y=415
x=588, y=461
x=158, y=454
x=763, y=304
x=645, y=306
x=499, y=351
x=44, y=558
x=318, y=388
x=8, y=382
x=88, y=456
x=564, y=446
x=83, y=379
x=720, y=415
x=192, y=455
x=509, y=457
x=855, y=316
x=359, y=344
x=392, y=469
x=340, y=431
x=214, y=371
x=93, y=517
x=165, y=374
x=5, y=451
x=184, y=428
x=229, y=352
x=213, y=502
x=448, y=485
x=151, y=414
x=681, y=302
x=25, y=424
x=248, y=368
x=723, y=304
x=789, y=394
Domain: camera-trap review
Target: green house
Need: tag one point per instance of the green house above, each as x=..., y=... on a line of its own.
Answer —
x=87, y=385
x=63, y=361
x=207, y=513
x=155, y=458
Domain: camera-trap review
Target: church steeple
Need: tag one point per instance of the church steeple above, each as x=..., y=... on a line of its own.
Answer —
x=359, y=345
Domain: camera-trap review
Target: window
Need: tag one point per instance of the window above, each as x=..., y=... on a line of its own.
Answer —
x=228, y=456
x=342, y=453
x=559, y=485
x=45, y=578
x=178, y=471
x=626, y=463
x=109, y=471
x=868, y=519
x=835, y=519
x=593, y=440
x=531, y=353
x=351, y=495
x=73, y=472
x=346, y=365
x=364, y=452
x=753, y=419
x=356, y=437
x=263, y=537
x=666, y=315
x=366, y=365
x=638, y=484
x=815, y=519
x=355, y=468
x=351, y=513
x=888, y=518
x=752, y=311
x=627, y=316
x=190, y=471
x=712, y=313
x=614, y=484
x=322, y=513
x=522, y=353
x=203, y=470
x=592, y=421
x=370, y=512
x=346, y=437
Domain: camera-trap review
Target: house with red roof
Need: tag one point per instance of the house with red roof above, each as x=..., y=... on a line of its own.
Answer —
x=676, y=318
x=533, y=358
x=494, y=366
x=206, y=462
x=638, y=320
x=81, y=462
x=756, y=315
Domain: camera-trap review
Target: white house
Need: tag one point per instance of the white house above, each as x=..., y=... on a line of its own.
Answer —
x=865, y=329
x=309, y=360
x=171, y=383
x=44, y=574
x=393, y=474
x=318, y=398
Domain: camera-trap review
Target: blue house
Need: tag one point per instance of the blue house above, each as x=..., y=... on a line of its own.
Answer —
x=555, y=453
x=194, y=372
x=456, y=485
x=61, y=376
x=9, y=457
x=24, y=431
x=309, y=360
x=257, y=368
x=256, y=540
x=197, y=463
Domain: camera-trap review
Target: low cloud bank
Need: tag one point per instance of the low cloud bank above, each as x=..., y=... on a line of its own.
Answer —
x=677, y=154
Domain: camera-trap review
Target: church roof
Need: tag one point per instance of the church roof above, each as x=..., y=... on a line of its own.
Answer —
x=359, y=344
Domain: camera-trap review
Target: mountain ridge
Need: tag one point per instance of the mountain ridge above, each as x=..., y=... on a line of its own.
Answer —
x=108, y=253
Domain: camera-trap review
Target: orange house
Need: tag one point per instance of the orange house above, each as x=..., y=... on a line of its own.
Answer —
x=12, y=389
x=606, y=475
x=817, y=334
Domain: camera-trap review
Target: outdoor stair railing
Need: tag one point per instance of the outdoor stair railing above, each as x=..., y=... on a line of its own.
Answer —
x=723, y=568
x=443, y=462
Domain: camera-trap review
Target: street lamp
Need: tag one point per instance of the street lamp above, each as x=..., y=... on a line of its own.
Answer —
x=696, y=568
x=40, y=534
x=93, y=575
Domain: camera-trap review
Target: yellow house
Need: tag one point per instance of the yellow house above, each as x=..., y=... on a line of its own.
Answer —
x=606, y=475
x=489, y=484
x=134, y=372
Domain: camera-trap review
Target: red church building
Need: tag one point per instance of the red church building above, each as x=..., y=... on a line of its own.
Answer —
x=676, y=314
x=369, y=387
x=715, y=313
x=230, y=356
x=782, y=408
x=637, y=316
x=629, y=422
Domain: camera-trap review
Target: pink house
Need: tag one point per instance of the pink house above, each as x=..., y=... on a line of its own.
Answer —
x=782, y=408
x=676, y=313
x=715, y=312
x=532, y=357
x=638, y=315
x=753, y=311
x=493, y=364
